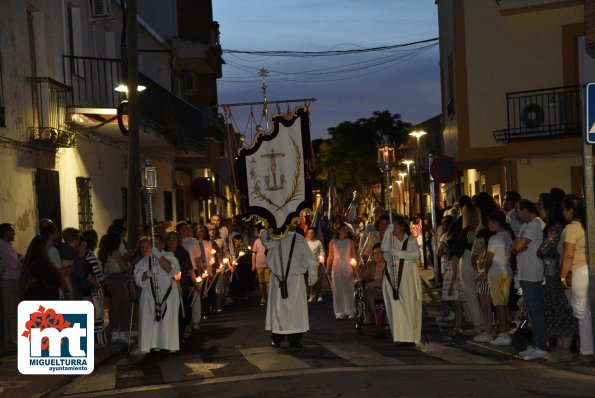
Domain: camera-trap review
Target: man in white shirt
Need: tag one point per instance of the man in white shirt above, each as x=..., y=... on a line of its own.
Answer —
x=193, y=248
x=530, y=273
x=510, y=200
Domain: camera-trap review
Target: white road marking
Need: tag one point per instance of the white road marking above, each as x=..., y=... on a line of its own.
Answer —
x=268, y=359
x=360, y=354
x=456, y=355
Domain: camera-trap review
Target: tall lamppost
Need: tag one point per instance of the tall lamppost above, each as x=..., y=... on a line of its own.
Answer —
x=386, y=162
x=408, y=163
x=418, y=134
x=399, y=192
x=405, y=198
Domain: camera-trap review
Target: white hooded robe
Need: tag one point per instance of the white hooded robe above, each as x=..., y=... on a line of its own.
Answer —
x=164, y=334
x=404, y=315
x=289, y=315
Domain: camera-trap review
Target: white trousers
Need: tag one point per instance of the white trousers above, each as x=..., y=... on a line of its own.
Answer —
x=581, y=308
x=471, y=301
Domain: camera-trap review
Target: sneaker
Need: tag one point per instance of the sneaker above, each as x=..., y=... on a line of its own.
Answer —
x=535, y=354
x=320, y=299
x=311, y=299
x=502, y=339
x=526, y=351
x=449, y=317
x=263, y=301
x=482, y=338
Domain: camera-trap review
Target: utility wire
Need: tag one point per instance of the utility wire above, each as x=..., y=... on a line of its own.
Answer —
x=285, y=53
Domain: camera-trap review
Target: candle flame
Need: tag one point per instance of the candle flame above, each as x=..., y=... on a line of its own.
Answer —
x=249, y=247
x=353, y=262
x=198, y=279
x=212, y=261
x=226, y=261
x=178, y=276
x=213, y=251
x=241, y=253
x=321, y=259
x=205, y=274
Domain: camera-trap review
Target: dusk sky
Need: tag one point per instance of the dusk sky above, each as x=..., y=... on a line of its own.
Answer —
x=347, y=87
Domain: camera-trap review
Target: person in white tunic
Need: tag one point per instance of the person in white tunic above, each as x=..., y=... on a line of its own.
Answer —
x=340, y=264
x=404, y=314
x=163, y=334
x=287, y=315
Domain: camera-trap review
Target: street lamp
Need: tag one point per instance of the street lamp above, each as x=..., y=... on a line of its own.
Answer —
x=418, y=134
x=399, y=182
x=405, y=193
x=386, y=162
x=408, y=163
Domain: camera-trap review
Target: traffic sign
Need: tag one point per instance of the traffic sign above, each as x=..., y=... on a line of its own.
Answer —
x=444, y=169
x=590, y=113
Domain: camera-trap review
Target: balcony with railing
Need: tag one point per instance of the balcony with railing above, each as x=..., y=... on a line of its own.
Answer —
x=51, y=113
x=93, y=81
x=542, y=114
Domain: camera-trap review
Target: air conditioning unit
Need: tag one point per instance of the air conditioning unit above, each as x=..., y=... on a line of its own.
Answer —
x=543, y=113
x=101, y=9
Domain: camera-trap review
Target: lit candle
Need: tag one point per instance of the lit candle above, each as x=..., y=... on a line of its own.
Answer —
x=212, y=261
x=240, y=254
x=198, y=279
x=225, y=261
x=205, y=274
x=353, y=262
x=178, y=276
x=249, y=248
x=213, y=251
x=321, y=259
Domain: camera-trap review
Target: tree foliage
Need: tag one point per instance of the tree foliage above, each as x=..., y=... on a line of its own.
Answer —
x=351, y=150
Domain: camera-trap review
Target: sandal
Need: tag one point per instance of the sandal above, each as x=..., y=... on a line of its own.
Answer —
x=455, y=332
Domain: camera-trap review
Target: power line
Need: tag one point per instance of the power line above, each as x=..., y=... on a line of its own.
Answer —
x=290, y=53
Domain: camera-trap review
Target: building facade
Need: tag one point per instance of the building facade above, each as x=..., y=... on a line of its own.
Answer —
x=62, y=153
x=511, y=73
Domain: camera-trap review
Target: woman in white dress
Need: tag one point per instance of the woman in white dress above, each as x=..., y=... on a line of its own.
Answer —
x=340, y=264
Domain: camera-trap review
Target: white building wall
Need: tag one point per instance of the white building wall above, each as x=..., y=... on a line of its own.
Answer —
x=513, y=62
x=18, y=205
x=450, y=136
x=538, y=175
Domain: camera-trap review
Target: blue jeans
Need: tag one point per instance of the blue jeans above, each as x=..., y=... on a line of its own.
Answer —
x=533, y=302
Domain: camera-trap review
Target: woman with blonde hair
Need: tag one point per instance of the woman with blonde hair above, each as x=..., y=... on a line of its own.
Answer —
x=574, y=260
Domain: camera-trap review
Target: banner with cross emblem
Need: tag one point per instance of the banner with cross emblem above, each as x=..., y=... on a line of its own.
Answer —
x=275, y=171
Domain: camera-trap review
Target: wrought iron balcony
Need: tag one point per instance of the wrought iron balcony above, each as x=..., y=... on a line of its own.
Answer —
x=51, y=113
x=542, y=114
x=93, y=81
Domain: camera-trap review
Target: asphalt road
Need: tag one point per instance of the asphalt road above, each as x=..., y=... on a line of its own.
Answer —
x=231, y=356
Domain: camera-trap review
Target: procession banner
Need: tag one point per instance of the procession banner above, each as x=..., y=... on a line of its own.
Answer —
x=275, y=171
